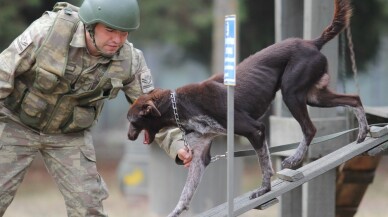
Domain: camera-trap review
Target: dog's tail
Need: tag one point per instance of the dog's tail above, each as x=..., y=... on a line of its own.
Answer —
x=341, y=19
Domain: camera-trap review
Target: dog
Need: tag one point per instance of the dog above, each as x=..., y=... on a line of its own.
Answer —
x=294, y=66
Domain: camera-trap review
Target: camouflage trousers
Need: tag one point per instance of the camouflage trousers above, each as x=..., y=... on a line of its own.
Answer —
x=69, y=158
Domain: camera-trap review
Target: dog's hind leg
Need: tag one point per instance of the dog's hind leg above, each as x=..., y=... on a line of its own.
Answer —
x=201, y=158
x=298, y=109
x=255, y=132
x=305, y=71
x=323, y=97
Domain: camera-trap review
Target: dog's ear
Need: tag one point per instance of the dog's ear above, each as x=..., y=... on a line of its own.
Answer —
x=149, y=108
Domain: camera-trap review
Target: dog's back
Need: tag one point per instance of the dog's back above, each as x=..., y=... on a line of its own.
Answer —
x=260, y=75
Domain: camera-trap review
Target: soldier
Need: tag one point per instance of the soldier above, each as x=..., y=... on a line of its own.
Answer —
x=54, y=79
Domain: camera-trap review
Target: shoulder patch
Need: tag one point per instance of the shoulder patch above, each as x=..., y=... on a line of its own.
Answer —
x=146, y=82
x=22, y=42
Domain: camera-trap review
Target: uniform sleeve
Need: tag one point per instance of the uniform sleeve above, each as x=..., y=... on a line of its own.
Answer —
x=170, y=139
x=141, y=80
x=18, y=57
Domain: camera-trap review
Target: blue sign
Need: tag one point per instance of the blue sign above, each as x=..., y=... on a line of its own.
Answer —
x=230, y=50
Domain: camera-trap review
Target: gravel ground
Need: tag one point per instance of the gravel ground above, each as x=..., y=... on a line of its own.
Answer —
x=39, y=197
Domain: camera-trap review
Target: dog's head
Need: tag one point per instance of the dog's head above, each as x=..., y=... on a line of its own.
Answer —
x=144, y=115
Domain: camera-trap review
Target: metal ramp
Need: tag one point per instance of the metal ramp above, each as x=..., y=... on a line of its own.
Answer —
x=290, y=179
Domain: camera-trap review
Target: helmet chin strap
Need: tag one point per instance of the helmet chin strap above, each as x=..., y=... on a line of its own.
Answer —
x=90, y=29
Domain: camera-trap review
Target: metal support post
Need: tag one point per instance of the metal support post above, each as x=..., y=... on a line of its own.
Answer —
x=230, y=81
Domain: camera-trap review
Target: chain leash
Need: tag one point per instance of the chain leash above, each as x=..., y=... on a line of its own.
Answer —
x=177, y=120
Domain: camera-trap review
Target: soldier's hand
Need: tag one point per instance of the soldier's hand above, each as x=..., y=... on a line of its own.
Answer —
x=186, y=156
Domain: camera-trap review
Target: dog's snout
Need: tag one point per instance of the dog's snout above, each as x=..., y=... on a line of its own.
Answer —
x=132, y=132
x=132, y=136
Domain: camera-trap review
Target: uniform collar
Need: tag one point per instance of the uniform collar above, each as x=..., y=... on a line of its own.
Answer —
x=78, y=39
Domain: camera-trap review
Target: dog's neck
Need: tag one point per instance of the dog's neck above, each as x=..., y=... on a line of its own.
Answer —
x=163, y=101
x=188, y=104
x=178, y=109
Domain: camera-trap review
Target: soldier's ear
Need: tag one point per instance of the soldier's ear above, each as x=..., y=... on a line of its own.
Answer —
x=149, y=108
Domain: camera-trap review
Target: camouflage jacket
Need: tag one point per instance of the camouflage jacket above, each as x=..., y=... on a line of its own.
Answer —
x=56, y=87
x=82, y=74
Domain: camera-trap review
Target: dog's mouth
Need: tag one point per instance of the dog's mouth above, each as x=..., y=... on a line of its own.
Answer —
x=134, y=132
x=146, y=137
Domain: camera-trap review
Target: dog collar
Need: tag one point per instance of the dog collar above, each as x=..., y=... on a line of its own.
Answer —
x=177, y=120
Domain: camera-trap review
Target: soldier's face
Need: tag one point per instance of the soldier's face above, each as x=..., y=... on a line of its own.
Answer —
x=108, y=40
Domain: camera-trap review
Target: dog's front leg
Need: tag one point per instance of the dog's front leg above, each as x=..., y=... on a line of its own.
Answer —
x=201, y=158
x=194, y=176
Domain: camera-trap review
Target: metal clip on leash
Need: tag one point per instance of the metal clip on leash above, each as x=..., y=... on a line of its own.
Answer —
x=219, y=156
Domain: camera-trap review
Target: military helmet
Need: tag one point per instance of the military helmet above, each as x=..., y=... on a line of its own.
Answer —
x=123, y=15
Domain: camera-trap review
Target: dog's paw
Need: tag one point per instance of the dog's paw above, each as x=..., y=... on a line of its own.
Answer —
x=291, y=162
x=174, y=214
x=360, y=139
x=259, y=192
x=178, y=209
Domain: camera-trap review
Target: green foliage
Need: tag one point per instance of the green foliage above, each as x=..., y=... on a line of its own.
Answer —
x=189, y=24
x=367, y=27
x=15, y=16
x=173, y=21
x=257, y=29
x=11, y=24
x=368, y=23
x=384, y=9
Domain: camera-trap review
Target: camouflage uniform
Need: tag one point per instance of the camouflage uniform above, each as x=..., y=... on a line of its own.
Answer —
x=49, y=110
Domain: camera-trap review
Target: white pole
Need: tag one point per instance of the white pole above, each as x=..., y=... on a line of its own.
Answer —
x=230, y=81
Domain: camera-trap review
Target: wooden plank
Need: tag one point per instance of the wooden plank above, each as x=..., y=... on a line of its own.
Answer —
x=379, y=150
x=376, y=132
x=268, y=204
x=243, y=204
x=290, y=175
